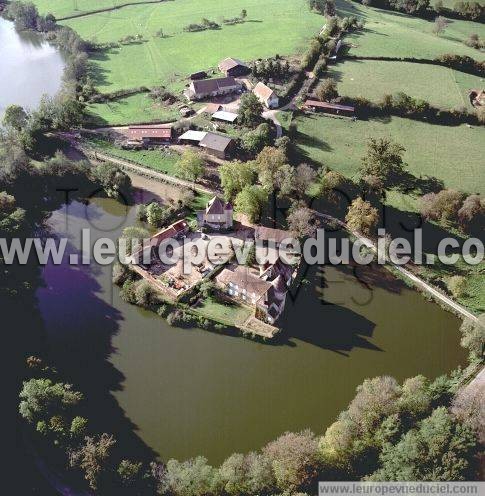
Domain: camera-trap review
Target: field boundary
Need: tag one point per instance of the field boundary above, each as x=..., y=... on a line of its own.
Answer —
x=412, y=60
x=107, y=9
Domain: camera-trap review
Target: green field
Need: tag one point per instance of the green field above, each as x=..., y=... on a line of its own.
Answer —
x=64, y=8
x=130, y=110
x=453, y=154
x=275, y=26
x=160, y=160
x=372, y=79
x=393, y=34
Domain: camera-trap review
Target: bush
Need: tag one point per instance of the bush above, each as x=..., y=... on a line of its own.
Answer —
x=456, y=286
x=120, y=274
x=327, y=90
x=443, y=206
x=128, y=292
x=145, y=294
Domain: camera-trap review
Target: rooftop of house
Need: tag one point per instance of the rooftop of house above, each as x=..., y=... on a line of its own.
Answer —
x=230, y=63
x=263, y=91
x=211, y=108
x=209, y=85
x=215, y=141
x=269, y=234
x=279, y=268
x=244, y=280
x=217, y=206
x=168, y=232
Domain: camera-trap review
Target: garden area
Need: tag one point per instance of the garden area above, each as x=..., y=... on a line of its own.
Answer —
x=227, y=312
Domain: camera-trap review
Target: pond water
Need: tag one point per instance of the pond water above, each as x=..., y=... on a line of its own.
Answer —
x=185, y=392
x=29, y=67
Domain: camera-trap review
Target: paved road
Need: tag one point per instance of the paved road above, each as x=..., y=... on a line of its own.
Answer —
x=271, y=115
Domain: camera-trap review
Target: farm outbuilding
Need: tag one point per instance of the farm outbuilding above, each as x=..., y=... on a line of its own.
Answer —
x=212, y=108
x=191, y=137
x=329, y=108
x=233, y=67
x=218, y=145
x=204, y=88
x=198, y=75
x=221, y=115
x=150, y=134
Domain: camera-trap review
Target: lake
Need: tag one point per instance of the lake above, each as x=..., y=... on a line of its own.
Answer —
x=29, y=67
x=187, y=392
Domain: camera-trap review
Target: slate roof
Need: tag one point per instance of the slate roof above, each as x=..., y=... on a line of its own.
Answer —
x=215, y=206
x=215, y=141
x=204, y=86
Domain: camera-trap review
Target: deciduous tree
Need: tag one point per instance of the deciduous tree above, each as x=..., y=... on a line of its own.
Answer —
x=250, y=110
x=250, y=201
x=190, y=166
x=362, y=216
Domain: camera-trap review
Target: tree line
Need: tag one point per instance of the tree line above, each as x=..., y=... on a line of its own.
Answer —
x=419, y=430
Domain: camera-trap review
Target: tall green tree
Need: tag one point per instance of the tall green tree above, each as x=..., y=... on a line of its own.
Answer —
x=362, y=216
x=190, y=166
x=383, y=164
x=15, y=117
x=250, y=110
x=440, y=448
x=250, y=201
x=235, y=176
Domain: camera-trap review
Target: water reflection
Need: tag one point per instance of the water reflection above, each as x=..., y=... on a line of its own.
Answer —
x=184, y=392
x=29, y=67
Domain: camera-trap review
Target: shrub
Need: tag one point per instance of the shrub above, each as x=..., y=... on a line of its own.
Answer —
x=145, y=294
x=442, y=206
x=456, y=286
x=327, y=90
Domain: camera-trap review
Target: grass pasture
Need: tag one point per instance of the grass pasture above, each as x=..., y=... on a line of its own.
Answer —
x=393, y=34
x=453, y=154
x=139, y=108
x=372, y=79
x=275, y=26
